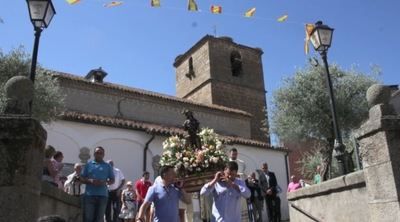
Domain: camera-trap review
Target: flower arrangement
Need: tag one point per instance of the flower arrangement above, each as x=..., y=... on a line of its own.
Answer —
x=187, y=161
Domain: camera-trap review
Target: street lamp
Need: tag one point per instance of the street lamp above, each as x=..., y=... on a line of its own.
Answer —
x=41, y=12
x=321, y=38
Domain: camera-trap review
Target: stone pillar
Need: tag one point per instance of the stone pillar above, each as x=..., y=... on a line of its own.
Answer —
x=379, y=140
x=22, y=141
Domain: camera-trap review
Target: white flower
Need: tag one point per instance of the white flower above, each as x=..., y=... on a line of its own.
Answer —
x=186, y=165
x=215, y=159
x=168, y=153
x=178, y=155
x=185, y=159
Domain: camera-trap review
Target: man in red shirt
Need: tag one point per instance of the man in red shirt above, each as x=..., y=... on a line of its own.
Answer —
x=141, y=187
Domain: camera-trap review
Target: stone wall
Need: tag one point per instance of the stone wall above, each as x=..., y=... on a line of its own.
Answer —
x=212, y=66
x=99, y=99
x=185, y=86
x=55, y=201
x=379, y=140
x=372, y=194
x=395, y=101
x=341, y=199
x=22, y=141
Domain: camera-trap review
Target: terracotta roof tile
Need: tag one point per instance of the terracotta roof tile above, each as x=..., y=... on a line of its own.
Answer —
x=153, y=128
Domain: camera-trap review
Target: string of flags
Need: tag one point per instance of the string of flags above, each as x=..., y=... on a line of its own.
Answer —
x=214, y=9
x=250, y=12
x=113, y=4
x=72, y=2
x=282, y=18
x=192, y=6
x=309, y=28
x=155, y=3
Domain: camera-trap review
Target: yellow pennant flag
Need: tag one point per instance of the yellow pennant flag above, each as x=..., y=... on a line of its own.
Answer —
x=155, y=3
x=283, y=18
x=216, y=9
x=309, y=28
x=71, y=2
x=250, y=12
x=192, y=6
x=113, y=4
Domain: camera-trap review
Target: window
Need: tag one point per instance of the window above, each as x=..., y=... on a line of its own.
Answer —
x=190, y=74
x=236, y=63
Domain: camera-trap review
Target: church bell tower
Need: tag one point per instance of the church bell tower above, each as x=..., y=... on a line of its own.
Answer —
x=218, y=71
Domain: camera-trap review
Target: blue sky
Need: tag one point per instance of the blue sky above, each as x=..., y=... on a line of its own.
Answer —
x=137, y=44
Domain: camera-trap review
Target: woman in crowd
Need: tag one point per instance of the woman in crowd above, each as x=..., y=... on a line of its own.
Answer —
x=49, y=171
x=58, y=165
x=294, y=184
x=128, y=199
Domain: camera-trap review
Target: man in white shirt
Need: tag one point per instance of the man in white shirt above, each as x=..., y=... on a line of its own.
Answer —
x=233, y=156
x=114, y=194
x=73, y=185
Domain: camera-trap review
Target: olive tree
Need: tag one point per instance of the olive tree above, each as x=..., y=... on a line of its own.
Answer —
x=48, y=101
x=301, y=108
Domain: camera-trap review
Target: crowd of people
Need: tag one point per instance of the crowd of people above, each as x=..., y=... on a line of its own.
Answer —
x=106, y=195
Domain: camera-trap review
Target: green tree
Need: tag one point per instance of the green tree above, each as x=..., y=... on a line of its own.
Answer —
x=264, y=124
x=48, y=101
x=301, y=108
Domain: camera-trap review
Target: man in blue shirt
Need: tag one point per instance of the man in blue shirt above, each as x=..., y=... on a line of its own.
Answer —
x=97, y=174
x=226, y=190
x=165, y=195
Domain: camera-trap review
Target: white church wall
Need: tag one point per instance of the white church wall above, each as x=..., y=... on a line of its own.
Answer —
x=124, y=147
x=255, y=157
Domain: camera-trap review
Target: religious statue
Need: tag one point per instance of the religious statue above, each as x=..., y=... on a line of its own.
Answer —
x=192, y=126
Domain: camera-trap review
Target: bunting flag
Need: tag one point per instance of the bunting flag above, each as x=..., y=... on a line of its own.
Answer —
x=192, y=6
x=155, y=3
x=216, y=9
x=283, y=18
x=113, y=4
x=250, y=12
x=72, y=2
x=309, y=28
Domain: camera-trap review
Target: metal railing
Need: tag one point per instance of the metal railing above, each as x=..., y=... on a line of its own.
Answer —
x=307, y=214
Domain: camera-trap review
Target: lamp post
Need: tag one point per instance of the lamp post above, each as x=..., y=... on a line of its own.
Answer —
x=40, y=12
x=321, y=38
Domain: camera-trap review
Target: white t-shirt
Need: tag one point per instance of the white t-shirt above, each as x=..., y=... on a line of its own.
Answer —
x=119, y=176
x=241, y=168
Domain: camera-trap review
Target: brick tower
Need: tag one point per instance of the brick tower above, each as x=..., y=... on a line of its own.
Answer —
x=218, y=71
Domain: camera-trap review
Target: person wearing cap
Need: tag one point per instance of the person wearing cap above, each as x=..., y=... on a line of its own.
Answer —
x=128, y=200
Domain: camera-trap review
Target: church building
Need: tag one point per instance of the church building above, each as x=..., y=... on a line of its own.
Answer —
x=220, y=81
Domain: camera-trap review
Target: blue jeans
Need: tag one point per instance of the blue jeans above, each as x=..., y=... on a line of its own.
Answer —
x=95, y=207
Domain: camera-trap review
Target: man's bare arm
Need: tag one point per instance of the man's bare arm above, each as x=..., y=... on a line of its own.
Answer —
x=142, y=211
